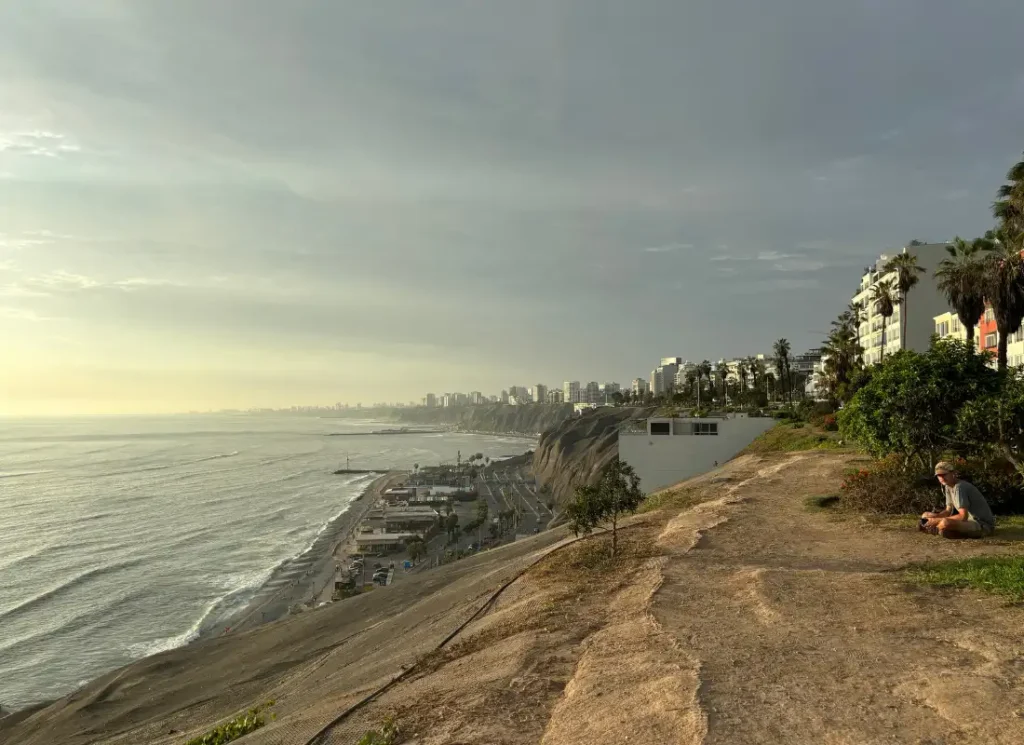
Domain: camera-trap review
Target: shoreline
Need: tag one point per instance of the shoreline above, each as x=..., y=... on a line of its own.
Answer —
x=304, y=578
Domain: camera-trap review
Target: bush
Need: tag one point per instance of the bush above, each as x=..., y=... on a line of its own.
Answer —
x=829, y=423
x=998, y=481
x=889, y=488
x=237, y=728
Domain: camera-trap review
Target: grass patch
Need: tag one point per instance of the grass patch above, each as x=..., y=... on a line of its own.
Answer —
x=682, y=498
x=826, y=503
x=387, y=734
x=238, y=727
x=999, y=575
x=785, y=438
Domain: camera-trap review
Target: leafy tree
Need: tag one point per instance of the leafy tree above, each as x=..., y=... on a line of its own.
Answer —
x=961, y=278
x=843, y=354
x=1004, y=284
x=907, y=270
x=481, y=511
x=616, y=492
x=883, y=295
x=741, y=372
x=996, y=422
x=416, y=548
x=910, y=402
x=451, y=526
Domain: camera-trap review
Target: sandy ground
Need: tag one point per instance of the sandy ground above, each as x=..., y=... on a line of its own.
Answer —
x=744, y=619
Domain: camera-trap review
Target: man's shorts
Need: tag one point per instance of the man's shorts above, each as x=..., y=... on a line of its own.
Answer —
x=974, y=529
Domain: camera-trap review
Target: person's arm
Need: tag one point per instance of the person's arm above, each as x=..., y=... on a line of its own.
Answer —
x=960, y=514
x=944, y=512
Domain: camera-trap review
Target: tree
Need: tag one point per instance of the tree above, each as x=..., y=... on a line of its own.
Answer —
x=961, y=278
x=416, y=548
x=616, y=492
x=842, y=354
x=1004, y=286
x=741, y=373
x=910, y=402
x=451, y=527
x=782, y=366
x=883, y=295
x=617, y=398
x=996, y=422
x=704, y=371
x=907, y=270
x=723, y=374
x=1009, y=206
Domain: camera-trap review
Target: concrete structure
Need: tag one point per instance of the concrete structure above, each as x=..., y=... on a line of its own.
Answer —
x=540, y=393
x=431, y=401
x=382, y=543
x=571, y=392
x=925, y=302
x=664, y=451
x=639, y=386
x=592, y=393
x=411, y=518
x=476, y=398
x=555, y=396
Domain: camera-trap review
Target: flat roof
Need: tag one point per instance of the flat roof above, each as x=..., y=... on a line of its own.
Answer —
x=383, y=537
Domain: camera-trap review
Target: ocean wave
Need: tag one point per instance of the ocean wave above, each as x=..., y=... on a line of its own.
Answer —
x=241, y=588
x=78, y=580
x=19, y=474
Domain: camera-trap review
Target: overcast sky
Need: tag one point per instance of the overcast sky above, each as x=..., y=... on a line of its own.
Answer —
x=258, y=202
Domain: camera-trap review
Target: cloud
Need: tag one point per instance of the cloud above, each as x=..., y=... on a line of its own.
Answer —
x=667, y=248
x=38, y=142
x=21, y=314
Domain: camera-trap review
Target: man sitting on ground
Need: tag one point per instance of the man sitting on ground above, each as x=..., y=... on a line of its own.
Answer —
x=966, y=515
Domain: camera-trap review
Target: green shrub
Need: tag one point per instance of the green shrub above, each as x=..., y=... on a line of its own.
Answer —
x=829, y=423
x=888, y=487
x=386, y=734
x=238, y=727
x=998, y=481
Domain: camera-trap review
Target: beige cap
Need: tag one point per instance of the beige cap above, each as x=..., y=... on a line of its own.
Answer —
x=944, y=467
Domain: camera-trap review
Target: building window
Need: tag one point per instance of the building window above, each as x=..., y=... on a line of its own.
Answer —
x=661, y=428
x=956, y=325
x=990, y=341
x=989, y=315
x=705, y=428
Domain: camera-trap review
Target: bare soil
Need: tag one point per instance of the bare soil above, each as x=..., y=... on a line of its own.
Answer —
x=734, y=615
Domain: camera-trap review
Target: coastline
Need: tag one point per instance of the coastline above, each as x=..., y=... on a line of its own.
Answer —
x=298, y=581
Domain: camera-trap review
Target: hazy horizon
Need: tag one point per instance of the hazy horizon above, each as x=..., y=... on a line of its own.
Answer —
x=245, y=204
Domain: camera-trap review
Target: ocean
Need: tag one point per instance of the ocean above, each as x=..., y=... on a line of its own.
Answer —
x=123, y=537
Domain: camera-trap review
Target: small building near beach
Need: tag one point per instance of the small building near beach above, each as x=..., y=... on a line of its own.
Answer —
x=420, y=519
x=383, y=543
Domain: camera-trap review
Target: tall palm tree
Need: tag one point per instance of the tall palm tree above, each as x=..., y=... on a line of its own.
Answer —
x=741, y=373
x=723, y=372
x=883, y=295
x=704, y=369
x=961, y=278
x=1004, y=285
x=782, y=364
x=907, y=270
x=843, y=355
x=1009, y=206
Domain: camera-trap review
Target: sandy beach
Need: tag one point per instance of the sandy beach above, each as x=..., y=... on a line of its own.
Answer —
x=309, y=574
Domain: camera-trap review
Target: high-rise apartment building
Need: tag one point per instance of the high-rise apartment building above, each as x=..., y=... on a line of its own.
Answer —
x=430, y=401
x=571, y=392
x=540, y=393
x=592, y=393
x=555, y=396
x=925, y=303
x=639, y=386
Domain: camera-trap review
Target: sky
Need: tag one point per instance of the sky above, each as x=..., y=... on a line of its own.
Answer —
x=259, y=203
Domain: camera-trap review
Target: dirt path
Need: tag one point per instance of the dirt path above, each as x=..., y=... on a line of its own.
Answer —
x=800, y=636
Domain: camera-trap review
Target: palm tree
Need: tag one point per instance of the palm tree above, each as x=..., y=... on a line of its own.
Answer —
x=723, y=373
x=1009, y=207
x=961, y=279
x=741, y=373
x=842, y=353
x=704, y=369
x=1004, y=286
x=782, y=365
x=883, y=295
x=907, y=270
x=760, y=374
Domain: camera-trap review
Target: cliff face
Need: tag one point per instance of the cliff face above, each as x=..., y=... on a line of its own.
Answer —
x=531, y=419
x=573, y=452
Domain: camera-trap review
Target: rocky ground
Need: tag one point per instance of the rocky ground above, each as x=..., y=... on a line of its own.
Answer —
x=735, y=615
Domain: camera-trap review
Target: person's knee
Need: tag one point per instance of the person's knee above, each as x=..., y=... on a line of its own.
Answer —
x=943, y=524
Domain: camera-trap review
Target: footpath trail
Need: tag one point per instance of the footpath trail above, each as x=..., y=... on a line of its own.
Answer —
x=793, y=629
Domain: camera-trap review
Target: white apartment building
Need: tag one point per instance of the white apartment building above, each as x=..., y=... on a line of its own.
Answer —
x=571, y=392
x=639, y=386
x=925, y=302
x=663, y=377
x=555, y=396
